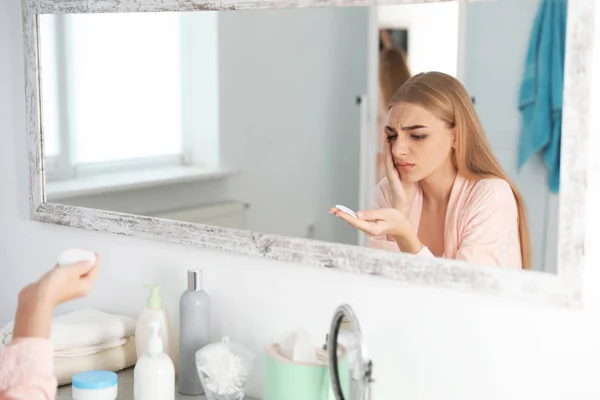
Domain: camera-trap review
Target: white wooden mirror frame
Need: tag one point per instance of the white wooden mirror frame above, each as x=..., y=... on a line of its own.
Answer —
x=563, y=289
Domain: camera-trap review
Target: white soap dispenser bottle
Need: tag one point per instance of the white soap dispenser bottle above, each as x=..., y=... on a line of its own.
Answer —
x=154, y=372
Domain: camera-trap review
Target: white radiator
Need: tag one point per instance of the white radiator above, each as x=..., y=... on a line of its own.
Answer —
x=228, y=215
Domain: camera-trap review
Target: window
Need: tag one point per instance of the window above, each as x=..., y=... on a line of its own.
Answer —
x=127, y=97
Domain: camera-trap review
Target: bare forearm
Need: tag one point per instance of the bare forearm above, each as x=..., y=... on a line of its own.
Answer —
x=34, y=315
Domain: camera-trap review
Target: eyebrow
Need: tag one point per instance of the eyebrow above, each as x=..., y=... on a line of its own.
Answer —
x=406, y=128
x=412, y=127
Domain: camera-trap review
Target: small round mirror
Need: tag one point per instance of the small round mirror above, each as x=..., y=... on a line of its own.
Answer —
x=350, y=379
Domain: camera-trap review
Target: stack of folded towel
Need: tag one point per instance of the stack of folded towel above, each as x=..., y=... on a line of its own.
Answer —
x=87, y=340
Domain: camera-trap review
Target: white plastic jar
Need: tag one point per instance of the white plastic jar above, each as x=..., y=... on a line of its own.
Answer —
x=95, y=385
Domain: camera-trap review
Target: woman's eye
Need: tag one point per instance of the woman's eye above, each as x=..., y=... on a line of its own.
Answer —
x=418, y=137
x=392, y=137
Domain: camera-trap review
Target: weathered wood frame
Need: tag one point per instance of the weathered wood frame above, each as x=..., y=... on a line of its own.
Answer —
x=563, y=289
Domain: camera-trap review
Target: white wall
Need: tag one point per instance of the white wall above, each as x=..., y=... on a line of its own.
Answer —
x=433, y=34
x=426, y=343
x=289, y=120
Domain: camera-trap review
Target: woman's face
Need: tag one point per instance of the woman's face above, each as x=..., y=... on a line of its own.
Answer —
x=421, y=142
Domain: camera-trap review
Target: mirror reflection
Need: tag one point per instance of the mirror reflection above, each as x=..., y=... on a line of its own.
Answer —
x=440, y=124
x=349, y=372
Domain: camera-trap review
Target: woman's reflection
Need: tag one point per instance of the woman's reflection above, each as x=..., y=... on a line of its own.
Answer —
x=444, y=194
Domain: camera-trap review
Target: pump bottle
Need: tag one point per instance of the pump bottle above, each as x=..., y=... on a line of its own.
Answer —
x=154, y=372
x=153, y=312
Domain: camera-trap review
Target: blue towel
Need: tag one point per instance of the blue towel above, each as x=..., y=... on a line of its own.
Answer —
x=541, y=94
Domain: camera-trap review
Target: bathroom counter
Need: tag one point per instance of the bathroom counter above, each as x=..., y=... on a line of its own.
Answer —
x=126, y=389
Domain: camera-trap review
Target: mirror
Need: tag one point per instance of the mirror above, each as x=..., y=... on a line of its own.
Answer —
x=345, y=332
x=252, y=120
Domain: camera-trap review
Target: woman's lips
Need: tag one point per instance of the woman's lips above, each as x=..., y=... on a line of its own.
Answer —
x=405, y=167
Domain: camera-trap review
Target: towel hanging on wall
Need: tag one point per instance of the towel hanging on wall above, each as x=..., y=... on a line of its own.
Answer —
x=541, y=93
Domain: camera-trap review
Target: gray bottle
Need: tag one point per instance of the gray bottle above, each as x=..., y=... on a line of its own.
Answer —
x=194, y=333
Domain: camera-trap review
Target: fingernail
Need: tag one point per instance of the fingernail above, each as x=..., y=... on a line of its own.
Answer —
x=89, y=264
x=359, y=214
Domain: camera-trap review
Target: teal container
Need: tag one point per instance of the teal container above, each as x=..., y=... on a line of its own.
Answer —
x=288, y=380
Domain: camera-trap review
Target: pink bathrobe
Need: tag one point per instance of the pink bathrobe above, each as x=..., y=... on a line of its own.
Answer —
x=27, y=370
x=481, y=222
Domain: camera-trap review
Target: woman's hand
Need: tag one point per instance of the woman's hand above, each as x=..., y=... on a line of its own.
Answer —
x=388, y=222
x=403, y=193
x=380, y=222
x=69, y=282
x=60, y=284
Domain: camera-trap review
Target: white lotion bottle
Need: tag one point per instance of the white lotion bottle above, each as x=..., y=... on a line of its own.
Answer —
x=153, y=312
x=154, y=372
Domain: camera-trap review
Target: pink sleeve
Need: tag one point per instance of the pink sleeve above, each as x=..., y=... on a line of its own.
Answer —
x=490, y=234
x=27, y=370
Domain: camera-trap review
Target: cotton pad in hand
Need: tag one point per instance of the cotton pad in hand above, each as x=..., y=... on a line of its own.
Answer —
x=346, y=210
x=73, y=256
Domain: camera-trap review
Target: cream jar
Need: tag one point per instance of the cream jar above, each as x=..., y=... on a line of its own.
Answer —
x=95, y=385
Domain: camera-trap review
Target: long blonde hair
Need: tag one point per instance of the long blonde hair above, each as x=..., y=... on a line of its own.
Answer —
x=393, y=71
x=445, y=97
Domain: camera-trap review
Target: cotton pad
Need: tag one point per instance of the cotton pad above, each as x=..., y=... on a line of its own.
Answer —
x=346, y=210
x=73, y=256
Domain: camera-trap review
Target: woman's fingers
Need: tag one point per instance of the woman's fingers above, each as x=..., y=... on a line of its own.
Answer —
x=79, y=269
x=380, y=214
x=394, y=178
x=92, y=272
x=368, y=227
x=71, y=281
x=87, y=282
x=390, y=168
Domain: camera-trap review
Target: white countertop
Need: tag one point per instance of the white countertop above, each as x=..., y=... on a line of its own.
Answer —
x=126, y=389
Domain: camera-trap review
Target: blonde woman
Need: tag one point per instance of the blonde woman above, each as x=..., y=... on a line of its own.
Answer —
x=444, y=194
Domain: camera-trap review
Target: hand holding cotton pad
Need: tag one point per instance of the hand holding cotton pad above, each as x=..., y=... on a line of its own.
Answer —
x=73, y=256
